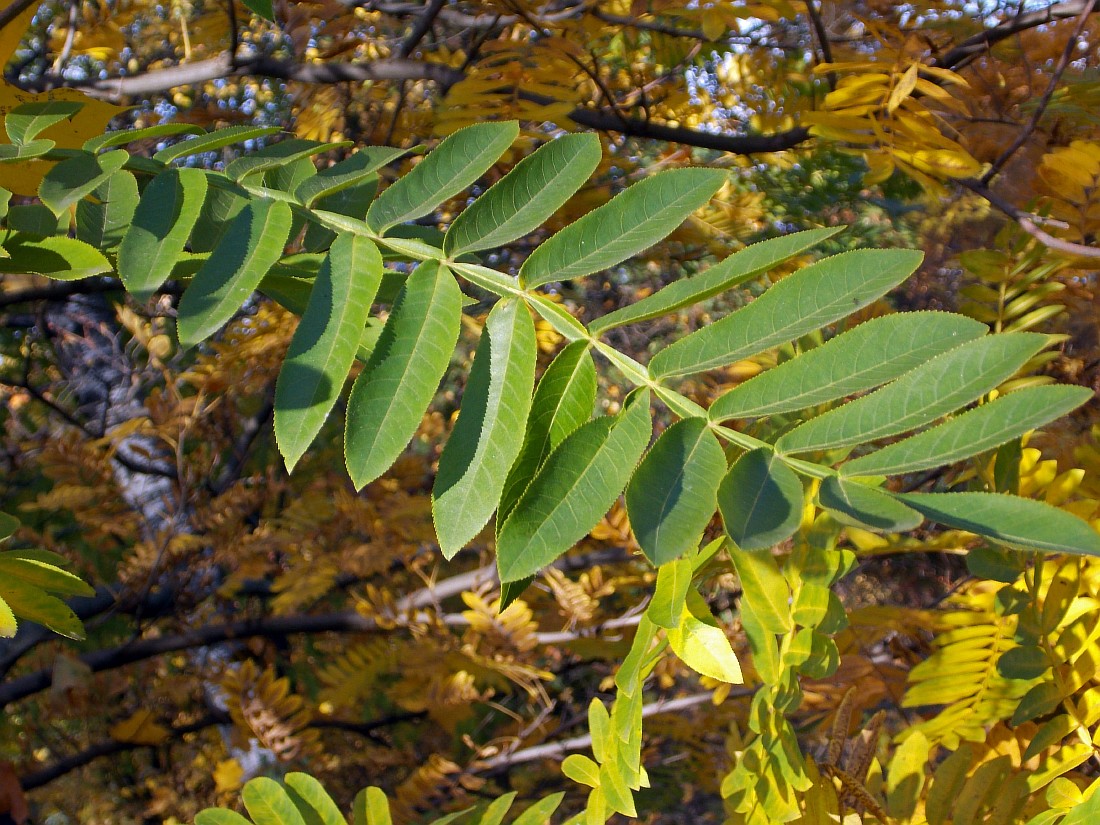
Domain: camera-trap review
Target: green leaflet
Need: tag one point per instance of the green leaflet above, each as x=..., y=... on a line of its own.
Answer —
x=760, y=500
x=212, y=141
x=807, y=300
x=494, y=814
x=581, y=770
x=564, y=400
x=43, y=575
x=671, y=497
x=221, y=206
x=762, y=645
x=219, y=816
x=520, y=201
x=162, y=222
x=702, y=645
x=28, y=120
x=871, y=354
x=104, y=223
x=371, y=807
x=973, y=432
x=539, y=813
x=633, y=220
x=58, y=257
x=76, y=177
x=33, y=604
x=121, y=138
x=36, y=219
x=573, y=489
x=13, y=152
x=736, y=269
x=934, y=389
x=488, y=279
x=283, y=153
x=8, y=525
x=489, y=432
x=673, y=582
x=310, y=791
x=348, y=172
x=324, y=345
x=456, y=163
x=264, y=8
x=397, y=384
x=253, y=244
x=269, y=804
x=866, y=507
x=1020, y=523
x=352, y=201
x=763, y=587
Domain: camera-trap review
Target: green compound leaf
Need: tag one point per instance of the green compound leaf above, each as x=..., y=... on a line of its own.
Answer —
x=632, y=221
x=760, y=500
x=252, y=245
x=269, y=804
x=27, y=121
x=973, y=432
x=489, y=432
x=936, y=388
x=702, y=645
x=866, y=507
x=871, y=354
x=346, y=173
x=324, y=345
x=104, y=222
x=736, y=269
x=75, y=177
x=803, y=302
x=564, y=400
x=1020, y=523
x=162, y=223
x=214, y=140
x=456, y=163
x=524, y=198
x=671, y=497
x=57, y=257
x=573, y=489
x=398, y=383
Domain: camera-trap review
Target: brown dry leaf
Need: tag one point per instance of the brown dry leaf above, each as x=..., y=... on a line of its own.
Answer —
x=12, y=801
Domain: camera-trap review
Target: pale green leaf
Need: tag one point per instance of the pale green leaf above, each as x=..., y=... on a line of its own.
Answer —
x=494, y=814
x=871, y=354
x=236, y=266
x=736, y=269
x=489, y=432
x=57, y=257
x=866, y=507
x=673, y=582
x=371, y=807
x=564, y=400
x=43, y=575
x=702, y=645
x=540, y=812
x=671, y=497
x=524, y=198
x=219, y=816
x=268, y=803
x=18, y=152
x=324, y=345
x=311, y=791
x=802, y=302
x=75, y=177
x=632, y=221
x=29, y=602
x=764, y=588
x=8, y=624
x=581, y=769
x=213, y=140
x=396, y=386
x=1020, y=523
x=599, y=729
x=574, y=488
x=455, y=164
x=760, y=500
x=973, y=432
x=162, y=223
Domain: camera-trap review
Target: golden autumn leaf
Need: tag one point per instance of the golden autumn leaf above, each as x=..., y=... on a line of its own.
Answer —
x=228, y=775
x=140, y=729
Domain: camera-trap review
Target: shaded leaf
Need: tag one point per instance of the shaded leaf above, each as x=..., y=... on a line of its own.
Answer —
x=760, y=500
x=866, y=507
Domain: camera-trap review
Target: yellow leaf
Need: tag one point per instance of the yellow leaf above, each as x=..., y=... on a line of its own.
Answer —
x=904, y=88
x=8, y=625
x=713, y=23
x=12, y=33
x=228, y=775
x=140, y=729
